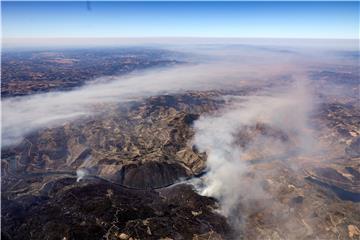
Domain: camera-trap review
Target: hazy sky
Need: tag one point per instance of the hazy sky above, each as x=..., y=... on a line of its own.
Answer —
x=181, y=19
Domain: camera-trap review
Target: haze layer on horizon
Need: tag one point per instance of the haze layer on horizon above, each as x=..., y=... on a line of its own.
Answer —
x=9, y=44
x=306, y=20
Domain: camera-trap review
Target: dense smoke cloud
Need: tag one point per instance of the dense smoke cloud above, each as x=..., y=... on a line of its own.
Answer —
x=243, y=67
x=283, y=111
x=209, y=67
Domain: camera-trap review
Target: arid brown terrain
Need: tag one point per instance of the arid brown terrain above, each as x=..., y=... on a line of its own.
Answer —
x=29, y=72
x=112, y=176
x=132, y=170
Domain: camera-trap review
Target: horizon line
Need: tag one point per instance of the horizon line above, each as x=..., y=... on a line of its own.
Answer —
x=85, y=42
x=177, y=37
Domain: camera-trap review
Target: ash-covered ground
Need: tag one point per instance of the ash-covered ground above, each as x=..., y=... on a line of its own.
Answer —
x=256, y=143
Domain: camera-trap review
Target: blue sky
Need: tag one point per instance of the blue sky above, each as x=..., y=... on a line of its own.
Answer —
x=181, y=19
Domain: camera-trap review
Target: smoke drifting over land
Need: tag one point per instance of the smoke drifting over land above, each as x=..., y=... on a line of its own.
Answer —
x=21, y=115
x=270, y=122
x=281, y=121
x=209, y=67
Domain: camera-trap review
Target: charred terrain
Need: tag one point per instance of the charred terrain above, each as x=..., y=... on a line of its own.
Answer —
x=133, y=171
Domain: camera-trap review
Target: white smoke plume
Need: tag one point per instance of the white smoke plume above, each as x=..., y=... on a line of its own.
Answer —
x=81, y=173
x=286, y=110
x=85, y=169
